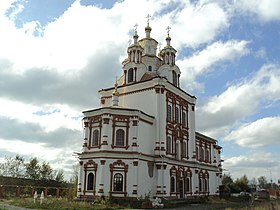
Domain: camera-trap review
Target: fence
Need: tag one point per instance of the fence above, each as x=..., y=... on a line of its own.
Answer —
x=7, y=191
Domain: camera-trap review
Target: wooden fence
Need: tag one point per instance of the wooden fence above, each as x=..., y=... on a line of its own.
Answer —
x=7, y=191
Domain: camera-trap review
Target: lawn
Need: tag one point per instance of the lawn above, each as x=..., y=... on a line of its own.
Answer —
x=62, y=204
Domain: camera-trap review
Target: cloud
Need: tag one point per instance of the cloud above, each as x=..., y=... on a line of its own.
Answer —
x=265, y=10
x=205, y=60
x=253, y=164
x=240, y=100
x=262, y=132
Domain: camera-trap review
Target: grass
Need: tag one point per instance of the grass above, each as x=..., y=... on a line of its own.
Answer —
x=63, y=204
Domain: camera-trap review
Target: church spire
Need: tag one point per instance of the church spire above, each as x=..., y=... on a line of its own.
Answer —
x=168, y=39
x=135, y=36
x=148, y=29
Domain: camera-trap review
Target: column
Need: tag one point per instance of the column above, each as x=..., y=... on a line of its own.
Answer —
x=134, y=134
x=135, y=182
x=104, y=136
x=101, y=178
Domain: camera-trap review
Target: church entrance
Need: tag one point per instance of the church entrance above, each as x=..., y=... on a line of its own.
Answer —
x=181, y=188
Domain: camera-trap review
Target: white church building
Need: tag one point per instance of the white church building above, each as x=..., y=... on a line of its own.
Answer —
x=142, y=140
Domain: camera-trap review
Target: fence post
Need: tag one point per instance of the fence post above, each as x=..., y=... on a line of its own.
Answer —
x=32, y=191
x=57, y=192
x=1, y=191
x=18, y=191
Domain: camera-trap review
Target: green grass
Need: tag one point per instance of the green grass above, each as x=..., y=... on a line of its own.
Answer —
x=63, y=204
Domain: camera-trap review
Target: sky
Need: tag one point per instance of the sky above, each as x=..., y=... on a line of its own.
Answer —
x=56, y=54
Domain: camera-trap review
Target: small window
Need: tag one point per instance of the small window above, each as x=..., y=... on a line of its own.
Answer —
x=169, y=112
x=95, y=137
x=169, y=145
x=200, y=184
x=150, y=68
x=118, y=182
x=174, y=77
x=188, y=184
x=172, y=183
x=130, y=75
x=184, y=149
x=178, y=150
x=120, y=137
x=184, y=119
x=205, y=185
x=176, y=114
x=90, y=179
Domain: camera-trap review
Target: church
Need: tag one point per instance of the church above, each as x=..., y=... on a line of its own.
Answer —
x=142, y=140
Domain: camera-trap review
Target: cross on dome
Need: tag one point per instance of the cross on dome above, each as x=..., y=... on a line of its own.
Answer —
x=168, y=30
x=148, y=19
x=135, y=28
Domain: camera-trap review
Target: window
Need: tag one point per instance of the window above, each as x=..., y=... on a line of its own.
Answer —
x=178, y=150
x=169, y=112
x=205, y=185
x=188, y=184
x=120, y=137
x=169, y=145
x=176, y=114
x=184, y=119
x=150, y=68
x=200, y=184
x=130, y=75
x=184, y=149
x=172, y=183
x=174, y=77
x=95, y=137
x=118, y=182
x=90, y=179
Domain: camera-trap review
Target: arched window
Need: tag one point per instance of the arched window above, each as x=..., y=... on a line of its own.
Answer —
x=174, y=78
x=169, y=112
x=90, y=180
x=169, y=145
x=150, y=68
x=172, y=184
x=120, y=137
x=118, y=182
x=95, y=137
x=130, y=76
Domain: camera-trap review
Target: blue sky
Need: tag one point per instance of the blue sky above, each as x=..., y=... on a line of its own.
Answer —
x=55, y=55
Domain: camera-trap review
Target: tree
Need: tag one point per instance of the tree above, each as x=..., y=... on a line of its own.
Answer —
x=46, y=172
x=33, y=169
x=13, y=167
x=59, y=176
x=262, y=182
x=243, y=183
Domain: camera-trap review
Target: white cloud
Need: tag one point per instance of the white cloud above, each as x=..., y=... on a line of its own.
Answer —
x=265, y=10
x=203, y=61
x=263, y=132
x=253, y=164
x=240, y=100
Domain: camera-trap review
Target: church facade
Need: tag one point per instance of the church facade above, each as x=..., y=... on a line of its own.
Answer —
x=142, y=141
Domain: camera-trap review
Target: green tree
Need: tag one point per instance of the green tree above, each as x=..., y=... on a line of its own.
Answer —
x=33, y=169
x=46, y=171
x=243, y=183
x=13, y=167
x=262, y=182
x=59, y=176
